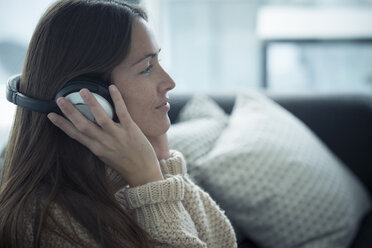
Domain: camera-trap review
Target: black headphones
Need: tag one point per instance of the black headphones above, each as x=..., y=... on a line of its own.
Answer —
x=70, y=91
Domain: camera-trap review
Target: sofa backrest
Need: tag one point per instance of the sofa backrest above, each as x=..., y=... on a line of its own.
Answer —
x=342, y=121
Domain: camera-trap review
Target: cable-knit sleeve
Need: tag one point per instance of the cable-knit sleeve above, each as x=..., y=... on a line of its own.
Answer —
x=178, y=213
x=174, y=165
x=158, y=209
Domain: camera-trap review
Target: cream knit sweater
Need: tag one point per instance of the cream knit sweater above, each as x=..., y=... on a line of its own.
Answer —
x=175, y=212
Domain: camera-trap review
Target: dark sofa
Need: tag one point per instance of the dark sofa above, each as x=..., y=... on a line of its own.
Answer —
x=342, y=121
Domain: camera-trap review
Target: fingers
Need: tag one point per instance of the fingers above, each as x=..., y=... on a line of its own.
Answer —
x=79, y=121
x=83, y=130
x=102, y=119
x=120, y=107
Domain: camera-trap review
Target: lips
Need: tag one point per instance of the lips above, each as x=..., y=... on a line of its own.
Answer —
x=161, y=105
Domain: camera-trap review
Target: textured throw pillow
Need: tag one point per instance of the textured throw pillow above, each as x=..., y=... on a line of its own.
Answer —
x=199, y=124
x=279, y=184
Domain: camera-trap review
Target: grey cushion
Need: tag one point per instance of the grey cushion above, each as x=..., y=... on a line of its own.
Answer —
x=277, y=181
x=199, y=125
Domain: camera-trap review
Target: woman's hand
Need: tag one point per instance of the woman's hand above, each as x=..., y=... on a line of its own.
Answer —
x=121, y=145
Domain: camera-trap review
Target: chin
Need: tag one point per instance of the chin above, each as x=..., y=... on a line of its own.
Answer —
x=157, y=130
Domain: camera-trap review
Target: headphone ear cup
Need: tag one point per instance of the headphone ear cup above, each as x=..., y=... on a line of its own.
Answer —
x=99, y=90
x=78, y=102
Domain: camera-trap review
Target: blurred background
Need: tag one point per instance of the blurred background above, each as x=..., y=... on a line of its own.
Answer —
x=286, y=46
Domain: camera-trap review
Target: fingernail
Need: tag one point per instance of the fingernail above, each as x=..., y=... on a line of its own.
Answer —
x=61, y=102
x=112, y=87
x=51, y=117
x=84, y=93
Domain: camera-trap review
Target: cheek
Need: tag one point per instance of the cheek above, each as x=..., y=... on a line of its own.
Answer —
x=141, y=99
x=152, y=122
x=139, y=105
x=131, y=95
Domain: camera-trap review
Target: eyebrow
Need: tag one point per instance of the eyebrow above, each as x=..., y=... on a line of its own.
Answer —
x=147, y=56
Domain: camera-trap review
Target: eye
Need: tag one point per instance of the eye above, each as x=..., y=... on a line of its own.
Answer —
x=148, y=69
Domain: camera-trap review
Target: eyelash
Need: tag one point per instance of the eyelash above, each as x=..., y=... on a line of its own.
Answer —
x=148, y=69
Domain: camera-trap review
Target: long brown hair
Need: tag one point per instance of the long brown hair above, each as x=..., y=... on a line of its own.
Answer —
x=42, y=165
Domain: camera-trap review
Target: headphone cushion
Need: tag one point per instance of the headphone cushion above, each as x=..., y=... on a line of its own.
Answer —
x=78, y=101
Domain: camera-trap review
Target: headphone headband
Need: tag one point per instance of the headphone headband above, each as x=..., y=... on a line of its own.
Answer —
x=70, y=91
x=13, y=95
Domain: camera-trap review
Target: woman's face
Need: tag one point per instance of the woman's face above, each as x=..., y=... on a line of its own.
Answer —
x=143, y=83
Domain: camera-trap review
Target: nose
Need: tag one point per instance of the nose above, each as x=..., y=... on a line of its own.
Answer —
x=167, y=82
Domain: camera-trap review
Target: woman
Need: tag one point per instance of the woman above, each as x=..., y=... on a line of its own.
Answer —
x=69, y=182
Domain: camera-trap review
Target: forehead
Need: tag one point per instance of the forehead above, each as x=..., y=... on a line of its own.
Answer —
x=142, y=42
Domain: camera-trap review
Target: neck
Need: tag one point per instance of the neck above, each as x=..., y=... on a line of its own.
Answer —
x=160, y=145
